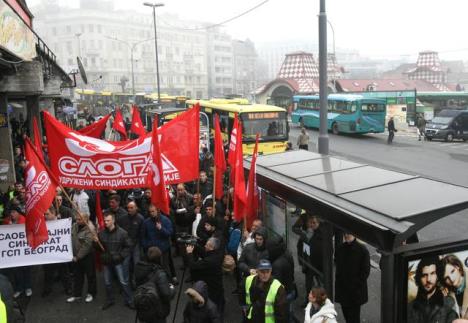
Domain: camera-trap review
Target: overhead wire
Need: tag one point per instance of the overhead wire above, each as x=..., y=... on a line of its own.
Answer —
x=219, y=23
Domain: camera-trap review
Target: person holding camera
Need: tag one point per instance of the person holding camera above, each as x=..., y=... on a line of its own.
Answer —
x=116, y=247
x=156, y=232
x=208, y=268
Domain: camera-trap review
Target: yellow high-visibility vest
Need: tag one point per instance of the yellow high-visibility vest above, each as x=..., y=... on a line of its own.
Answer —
x=269, y=302
x=3, y=313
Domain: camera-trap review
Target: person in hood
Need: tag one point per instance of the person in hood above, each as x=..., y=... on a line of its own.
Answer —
x=320, y=308
x=253, y=252
x=201, y=309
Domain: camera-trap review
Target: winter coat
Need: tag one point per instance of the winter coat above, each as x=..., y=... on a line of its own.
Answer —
x=132, y=224
x=206, y=312
x=352, y=271
x=437, y=309
x=145, y=271
x=283, y=266
x=152, y=237
x=119, y=213
x=315, y=247
x=183, y=219
x=326, y=314
x=252, y=254
x=209, y=270
x=116, y=244
x=82, y=241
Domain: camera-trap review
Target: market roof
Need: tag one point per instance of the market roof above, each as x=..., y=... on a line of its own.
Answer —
x=380, y=206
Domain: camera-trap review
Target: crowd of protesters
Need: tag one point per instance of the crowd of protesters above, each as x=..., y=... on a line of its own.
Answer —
x=138, y=244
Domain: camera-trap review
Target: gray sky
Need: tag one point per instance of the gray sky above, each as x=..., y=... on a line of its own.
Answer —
x=375, y=28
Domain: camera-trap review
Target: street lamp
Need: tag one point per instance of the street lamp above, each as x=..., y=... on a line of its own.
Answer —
x=132, y=49
x=154, y=6
x=323, y=64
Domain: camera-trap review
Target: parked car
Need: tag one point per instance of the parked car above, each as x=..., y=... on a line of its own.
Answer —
x=448, y=125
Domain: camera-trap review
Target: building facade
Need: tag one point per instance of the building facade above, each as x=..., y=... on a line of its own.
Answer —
x=193, y=61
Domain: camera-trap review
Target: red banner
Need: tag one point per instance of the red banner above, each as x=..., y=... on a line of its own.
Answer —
x=220, y=160
x=89, y=163
x=119, y=125
x=40, y=192
x=240, y=198
x=252, y=189
x=156, y=179
x=96, y=129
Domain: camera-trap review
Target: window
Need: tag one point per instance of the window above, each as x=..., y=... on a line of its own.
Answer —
x=373, y=107
x=99, y=29
x=93, y=61
x=91, y=28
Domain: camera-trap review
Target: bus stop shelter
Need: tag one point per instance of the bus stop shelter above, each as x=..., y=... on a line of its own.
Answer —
x=379, y=206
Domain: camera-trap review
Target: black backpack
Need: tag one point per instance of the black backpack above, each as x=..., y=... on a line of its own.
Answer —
x=148, y=303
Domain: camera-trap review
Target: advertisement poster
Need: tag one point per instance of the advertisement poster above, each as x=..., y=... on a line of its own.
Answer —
x=437, y=288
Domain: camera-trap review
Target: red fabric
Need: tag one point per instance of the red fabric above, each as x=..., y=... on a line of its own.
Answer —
x=98, y=211
x=90, y=163
x=21, y=220
x=96, y=129
x=119, y=125
x=37, y=139
x=239, y=180
x=232, y=142
x=252, y=189
x=155, y=176
x=40, y=192
x=219, y=159
x=137, y=126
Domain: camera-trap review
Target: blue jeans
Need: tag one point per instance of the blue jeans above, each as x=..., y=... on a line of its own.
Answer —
x=130, y=261
x=119, y=271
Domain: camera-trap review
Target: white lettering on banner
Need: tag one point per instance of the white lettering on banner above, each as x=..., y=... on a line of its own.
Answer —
x=104, y=168
x=15, y=251
x=36, y=188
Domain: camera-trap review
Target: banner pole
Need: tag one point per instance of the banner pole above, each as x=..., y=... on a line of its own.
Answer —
x=214, y=187
x=75, y=207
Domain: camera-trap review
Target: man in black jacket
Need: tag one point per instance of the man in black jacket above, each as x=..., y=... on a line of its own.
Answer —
x=209, y=269
x=152, y=270
x=117, y=246
x=352, y=271
x=253, y=252
x=132, y=223
x=391, y=130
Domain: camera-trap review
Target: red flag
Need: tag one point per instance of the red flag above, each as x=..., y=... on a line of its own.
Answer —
x=155, y=175
x=89, y=163
x=137, y=126
x=98, y=210
x=239, y=180
x=119, y=125
x=232, y=142
x=40, y=192
x=96, y=129
x=219, y=159
x=252, y=189
x=37, y=139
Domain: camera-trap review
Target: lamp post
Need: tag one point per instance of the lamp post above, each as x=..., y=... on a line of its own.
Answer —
x=154, y=6
x=132, y=49
x=323, y=129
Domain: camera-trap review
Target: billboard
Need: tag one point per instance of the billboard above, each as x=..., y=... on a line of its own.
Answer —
x=436, y=288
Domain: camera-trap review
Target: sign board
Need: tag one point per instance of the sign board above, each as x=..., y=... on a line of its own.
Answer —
x=15, y=35
x=15, y=251
x=274, y=214
x=433, y=277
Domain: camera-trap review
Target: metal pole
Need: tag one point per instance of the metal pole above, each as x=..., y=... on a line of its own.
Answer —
x=133, y=74
x=156, y=51
x=323, y=130
x=387, y=288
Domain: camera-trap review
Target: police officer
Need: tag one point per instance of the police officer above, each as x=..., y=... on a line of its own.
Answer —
x=264, y=297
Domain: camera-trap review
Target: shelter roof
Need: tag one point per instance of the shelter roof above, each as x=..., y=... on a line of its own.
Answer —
x=380, y=206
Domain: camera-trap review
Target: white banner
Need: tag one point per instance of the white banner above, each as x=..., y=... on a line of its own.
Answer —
x=15, y=251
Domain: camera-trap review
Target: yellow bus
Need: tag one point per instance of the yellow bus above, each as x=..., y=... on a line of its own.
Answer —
x=267, y=120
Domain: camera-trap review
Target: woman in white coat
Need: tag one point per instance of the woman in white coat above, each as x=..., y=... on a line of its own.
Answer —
x=319, y=309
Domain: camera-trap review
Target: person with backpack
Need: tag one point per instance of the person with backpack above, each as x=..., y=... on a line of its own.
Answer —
x=152, y=297
x=201, y=309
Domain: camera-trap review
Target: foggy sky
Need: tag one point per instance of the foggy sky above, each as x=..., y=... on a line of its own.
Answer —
x=376, y=28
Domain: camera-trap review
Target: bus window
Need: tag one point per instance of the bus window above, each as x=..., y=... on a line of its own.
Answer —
x=372, y=107
x=269, y=125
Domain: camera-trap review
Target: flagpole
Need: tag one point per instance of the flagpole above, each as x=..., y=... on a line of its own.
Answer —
x=214, y=187
x=75, y=207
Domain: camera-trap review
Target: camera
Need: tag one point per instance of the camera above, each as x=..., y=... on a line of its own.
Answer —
x=186, y=238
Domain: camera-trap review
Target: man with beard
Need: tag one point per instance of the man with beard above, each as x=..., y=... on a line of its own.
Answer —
x=430, y=305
